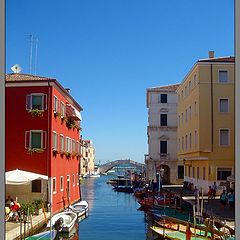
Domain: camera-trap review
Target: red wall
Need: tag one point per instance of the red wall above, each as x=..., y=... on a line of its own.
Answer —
x=18, y=120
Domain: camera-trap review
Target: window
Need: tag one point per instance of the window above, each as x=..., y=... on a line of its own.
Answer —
x=195, y=107
x=36, y=186
x=35, y=139
x=73, y=180
x=223, y=105
x=193, y=172
x=223, y=76
x=182, y=118
x=190, y=86
x=185, y=170
x=223, y=173
x=190, y=113
x=204, y=173
x=195, y=79
x=163, y=119
x=61, y=143
x=186, y=143
x=68, y=186
x=195, y=138
x=178, y=98
x=179, y=144
x=163, y=98
x=179, y=120
x=55, y=141
x=54, y=185
x=189, y=171
x=63, y=109
x=163, y=147
x=224, y=137
x=77, y=178
x=182, y=94
x=36, y=101
x=61, y=183
x=180, y=172
x=186, y=115
x=68, y=144
x=182, y=143
x=55, y=104
x=190, y=140
x=186, y=91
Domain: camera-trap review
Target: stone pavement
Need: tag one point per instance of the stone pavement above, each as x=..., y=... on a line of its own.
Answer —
x=13, y=229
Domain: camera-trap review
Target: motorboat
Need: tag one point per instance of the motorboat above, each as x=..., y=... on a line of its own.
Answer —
x=80, y=208
x=63, y=221
x=46, y=235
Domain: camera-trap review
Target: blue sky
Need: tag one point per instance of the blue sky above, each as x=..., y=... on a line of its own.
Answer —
x=109, y=51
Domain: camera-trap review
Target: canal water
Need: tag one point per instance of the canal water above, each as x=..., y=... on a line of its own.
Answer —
x=112, y=215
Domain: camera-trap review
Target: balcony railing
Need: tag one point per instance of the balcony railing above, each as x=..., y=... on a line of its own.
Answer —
x=164, y=155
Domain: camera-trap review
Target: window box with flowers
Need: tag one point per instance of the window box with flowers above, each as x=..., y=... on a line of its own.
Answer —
x=35, y=150
x=70, y=123
x=68, y=154
x=35, y=141
x=36, y=112
x=55, y=152
x=57, y=114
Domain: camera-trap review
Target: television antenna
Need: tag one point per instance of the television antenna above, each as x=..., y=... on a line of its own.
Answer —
x=16, y=68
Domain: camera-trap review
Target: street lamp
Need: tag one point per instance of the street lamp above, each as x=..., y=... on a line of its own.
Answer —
x=160, y=174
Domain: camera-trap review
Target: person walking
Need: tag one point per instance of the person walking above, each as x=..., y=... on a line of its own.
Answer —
x=223, y=199
x=210, y=193
x=231, y=198
x=214, y=190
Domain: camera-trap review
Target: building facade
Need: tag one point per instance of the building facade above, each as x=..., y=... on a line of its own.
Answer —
x=43, y=136
x=162, y=135
x=88, y=158
x=206, y=121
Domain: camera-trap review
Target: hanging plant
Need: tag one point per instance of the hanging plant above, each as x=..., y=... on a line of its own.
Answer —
x=63, y=119
x=67, y=154
x=57, y=114
x=35, y=150
x=36, y=112
x=70, y=123
x=55, y=152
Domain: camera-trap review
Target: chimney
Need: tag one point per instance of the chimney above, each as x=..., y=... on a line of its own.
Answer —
x=211, y=54
x=68, y=90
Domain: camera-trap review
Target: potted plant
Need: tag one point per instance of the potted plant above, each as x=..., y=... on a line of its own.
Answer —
x=57, y=114
x=36, y=112
x=27, y=208
x=38, y=203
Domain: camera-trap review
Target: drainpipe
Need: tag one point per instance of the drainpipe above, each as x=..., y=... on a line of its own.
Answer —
x=212, y=107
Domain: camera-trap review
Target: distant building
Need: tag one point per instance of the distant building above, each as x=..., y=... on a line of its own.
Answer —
x=43, y=136
x=88, y=158
x=206, y=121
x=162, y=135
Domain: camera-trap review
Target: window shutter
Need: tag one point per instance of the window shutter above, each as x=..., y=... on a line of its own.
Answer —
x=28, y=102
x=57, y=142
x=27, y=139
x=44, y=139
x=45, y=101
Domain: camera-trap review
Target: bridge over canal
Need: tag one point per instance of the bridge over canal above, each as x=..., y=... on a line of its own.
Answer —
x=109, y=165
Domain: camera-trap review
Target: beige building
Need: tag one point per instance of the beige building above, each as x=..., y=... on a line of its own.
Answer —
x=88, y=158
x=162, y=135
x=206, y=121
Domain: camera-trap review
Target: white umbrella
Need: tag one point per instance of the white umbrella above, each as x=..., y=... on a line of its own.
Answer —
x=19, y=177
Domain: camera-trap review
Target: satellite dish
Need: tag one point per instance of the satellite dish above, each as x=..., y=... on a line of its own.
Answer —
x=16, y=68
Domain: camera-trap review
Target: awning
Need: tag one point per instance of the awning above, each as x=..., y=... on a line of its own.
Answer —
x=71, y=111
x=19, y=177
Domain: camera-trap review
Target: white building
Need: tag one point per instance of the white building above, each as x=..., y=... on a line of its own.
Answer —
x=162, y=135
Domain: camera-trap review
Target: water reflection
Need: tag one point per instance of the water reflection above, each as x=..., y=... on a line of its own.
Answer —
x=112, y=215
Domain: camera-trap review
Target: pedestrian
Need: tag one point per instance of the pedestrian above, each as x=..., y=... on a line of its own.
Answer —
x=223, y=198
x=210, y=193
x=214, y=190
x=231, y=198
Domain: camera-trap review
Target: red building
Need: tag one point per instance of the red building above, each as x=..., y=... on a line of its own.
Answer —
x=43, y=136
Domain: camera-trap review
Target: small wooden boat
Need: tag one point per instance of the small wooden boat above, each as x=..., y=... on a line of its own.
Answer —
x=46, y=235
x=63, y=221
x=120, y=188
x=80, y=208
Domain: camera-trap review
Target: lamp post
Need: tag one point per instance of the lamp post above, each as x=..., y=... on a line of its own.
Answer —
x=159, y=176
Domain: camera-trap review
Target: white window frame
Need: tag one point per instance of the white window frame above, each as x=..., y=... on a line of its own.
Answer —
x=36, y=94
x=55, y=135
x=219, y=134
x=73, y=179
x=219, y=104
x=61, y=183
x=62, y=148
x=63, y=106
x=30, y=138
x=54, y=192
x=223, y=70
x=77, y=179
x=55, y=104
x=68, y=145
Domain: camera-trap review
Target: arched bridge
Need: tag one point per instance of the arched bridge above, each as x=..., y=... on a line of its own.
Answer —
x=107, y=166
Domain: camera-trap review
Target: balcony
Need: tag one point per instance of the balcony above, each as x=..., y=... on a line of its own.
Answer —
x=164, y=156
x=73, y=113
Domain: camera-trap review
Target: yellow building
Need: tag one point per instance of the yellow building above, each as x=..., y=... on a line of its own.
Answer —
x=206, y=121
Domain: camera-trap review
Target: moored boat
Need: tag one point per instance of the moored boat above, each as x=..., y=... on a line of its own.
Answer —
x=80, y=208
x=123, y=188
x=63, y=221
x=46, y=235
